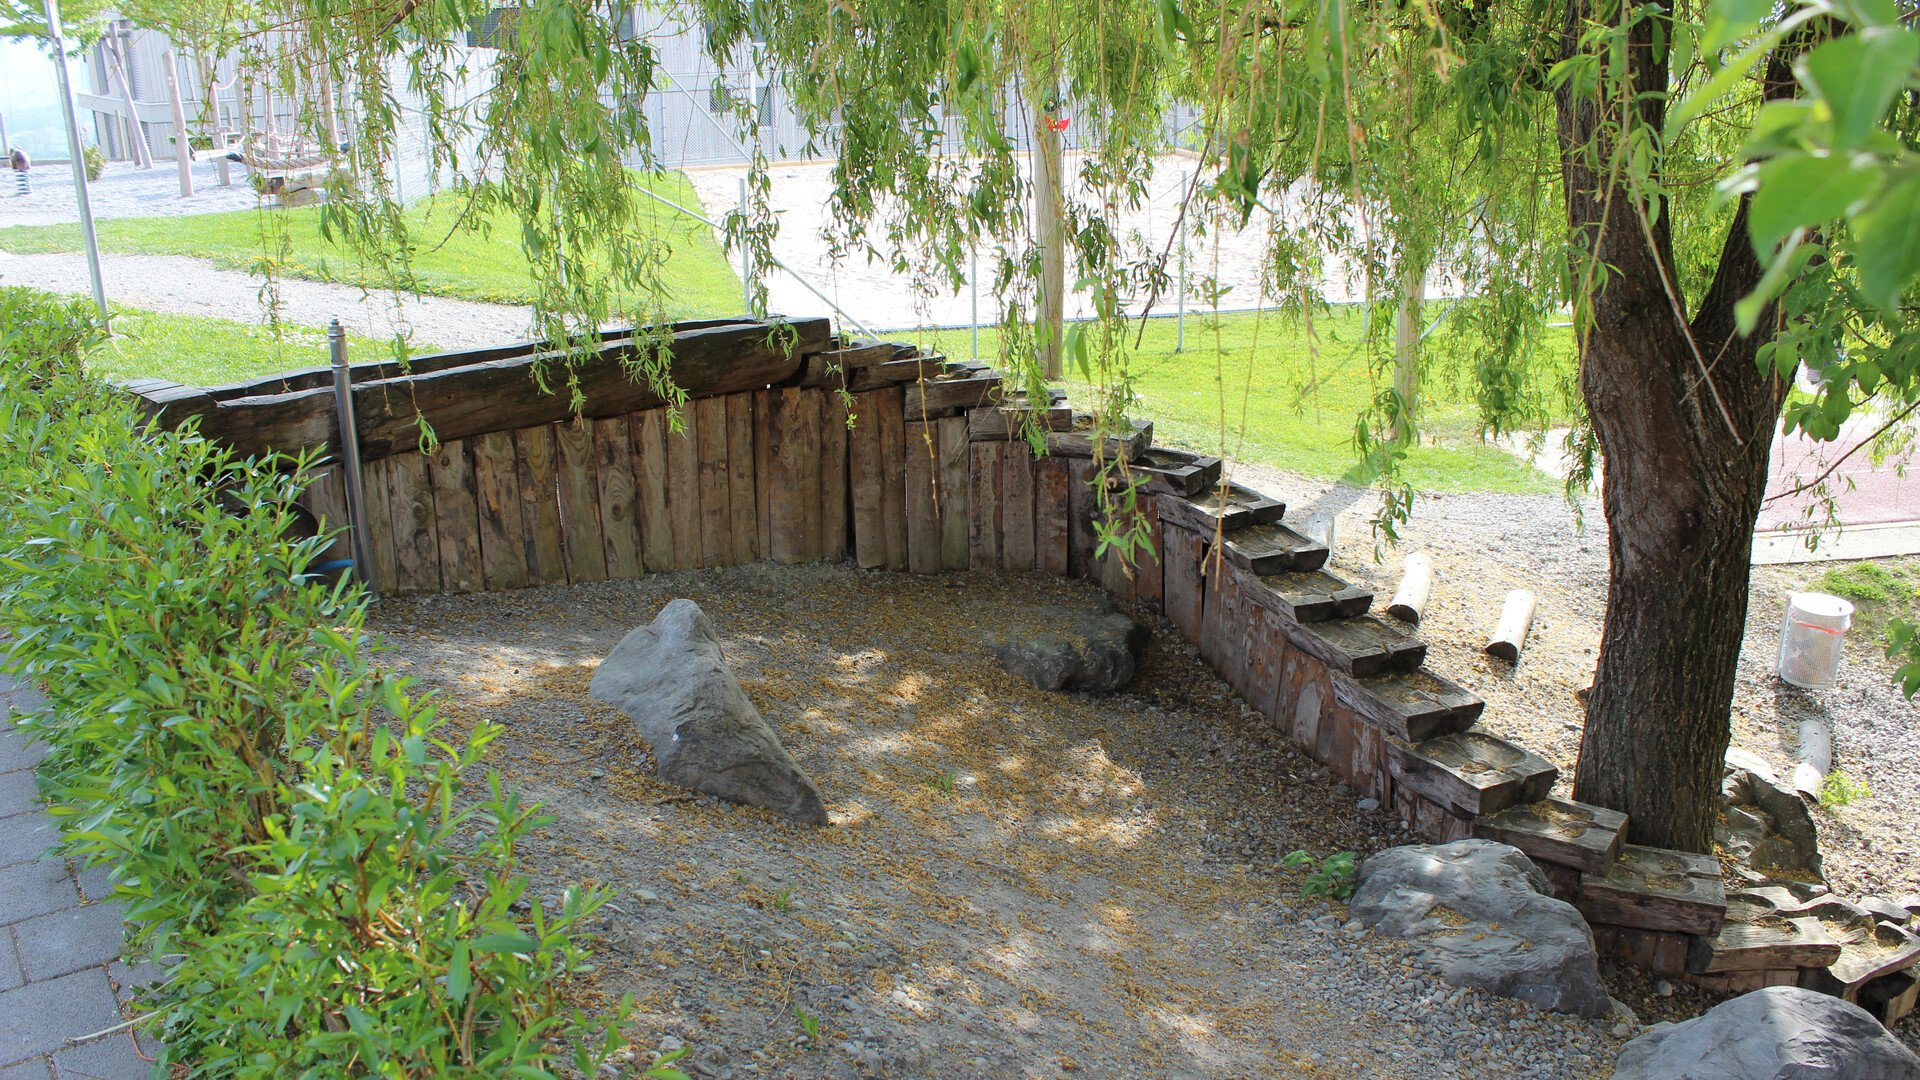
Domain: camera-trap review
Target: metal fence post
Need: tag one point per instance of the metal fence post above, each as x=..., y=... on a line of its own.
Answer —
x=350, y=453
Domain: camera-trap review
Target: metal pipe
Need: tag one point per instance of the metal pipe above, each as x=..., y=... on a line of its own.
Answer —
x=1180, y=327
x=78, y=154
x=746, y=256
x=974, y=277
x=350, y=453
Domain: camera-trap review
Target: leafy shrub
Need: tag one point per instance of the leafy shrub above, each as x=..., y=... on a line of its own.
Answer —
x=1839, y=789
x=95, y=164
x=1333, y=878
x=282, y=816
x=43, y=336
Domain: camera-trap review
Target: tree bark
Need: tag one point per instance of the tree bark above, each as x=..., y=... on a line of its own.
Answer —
x=1684, y=470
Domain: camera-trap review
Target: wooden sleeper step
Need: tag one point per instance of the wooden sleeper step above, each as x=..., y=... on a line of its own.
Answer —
x=947, y=395
x=1866, y=954
x=1362, y=646
x=1559, y=831
x=1414, y=706
x=1228, y=508
x=1077, y=440
x=1177, y=472
x=1769, y=945
x=1274, y=549
x=1471, y=773
x=1308, y=596
x=1656, y=889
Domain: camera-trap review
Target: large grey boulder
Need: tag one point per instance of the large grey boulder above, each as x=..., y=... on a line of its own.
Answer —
x=1485, y=917
x=670, y=678
x=1080, y=649
x=1779, y=1033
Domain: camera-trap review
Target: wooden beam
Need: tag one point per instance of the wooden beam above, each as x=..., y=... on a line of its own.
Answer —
x=579, y=480
x=545, y=551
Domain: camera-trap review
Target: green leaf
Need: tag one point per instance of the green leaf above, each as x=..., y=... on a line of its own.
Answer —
x=1779, y=127
x=1886, y=243
x=1717, y=87
x=1800, y=190
x=460, y=972
x=1730, y=20
x=512, y=943
x=1857, y=76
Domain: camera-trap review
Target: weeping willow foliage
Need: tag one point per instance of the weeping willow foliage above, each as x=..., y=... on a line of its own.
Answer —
x=1399, y=139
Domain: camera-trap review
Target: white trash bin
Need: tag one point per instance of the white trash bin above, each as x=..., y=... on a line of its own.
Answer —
x=1811, y=636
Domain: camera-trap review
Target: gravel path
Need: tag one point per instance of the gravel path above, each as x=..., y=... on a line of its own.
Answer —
x=184, y=286
x=1068, y=907
x=124, y=191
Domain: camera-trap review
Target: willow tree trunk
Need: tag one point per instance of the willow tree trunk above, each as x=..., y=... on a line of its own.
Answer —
x=1684, y=421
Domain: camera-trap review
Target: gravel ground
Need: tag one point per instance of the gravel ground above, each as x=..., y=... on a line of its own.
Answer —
x=123, y=191
x=183, y=286
x=1017, y=884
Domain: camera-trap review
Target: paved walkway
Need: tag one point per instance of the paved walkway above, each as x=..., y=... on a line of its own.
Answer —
x=60, y=974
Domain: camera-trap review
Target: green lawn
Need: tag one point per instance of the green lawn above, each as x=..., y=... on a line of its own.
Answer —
x=199, y=351
x=486, y=265
x=1260, y=366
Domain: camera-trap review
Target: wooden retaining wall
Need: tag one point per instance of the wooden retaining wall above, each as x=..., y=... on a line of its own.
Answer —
x=798, y=446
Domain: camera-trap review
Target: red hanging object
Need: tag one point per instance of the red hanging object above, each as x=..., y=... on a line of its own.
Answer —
x=1058, y=125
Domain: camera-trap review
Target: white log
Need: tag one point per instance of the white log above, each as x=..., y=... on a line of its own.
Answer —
x=1816, y=745
x=1516, y=618
x=1807, y=782
x=1416, y=582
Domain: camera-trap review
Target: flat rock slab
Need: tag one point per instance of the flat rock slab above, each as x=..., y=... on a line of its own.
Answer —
x=1486, y=916
x=1560, y=831
x=669, y=677
x=1081, y=649
x=1779, y=1033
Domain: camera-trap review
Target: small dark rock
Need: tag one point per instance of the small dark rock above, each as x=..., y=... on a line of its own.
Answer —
x=1081, y=650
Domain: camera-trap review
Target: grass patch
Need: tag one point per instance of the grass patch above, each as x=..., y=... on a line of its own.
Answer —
x=487, y=264
x=1284, y=407
x=1880, y=589
x=198, y=351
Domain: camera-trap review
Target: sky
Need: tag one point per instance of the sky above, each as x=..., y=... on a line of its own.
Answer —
x=30, y=100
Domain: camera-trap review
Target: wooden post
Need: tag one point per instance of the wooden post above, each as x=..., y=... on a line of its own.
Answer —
x=985, y=505
x=1051, y=509
x=416, y=538
x=540, y=505
x=683, y=490
x=1016, y=514
x=742, y=472
x=1052, y=239
x=1416, y=581
x=923, y=514
x=716, y=490
x=1516, y=618
x=833, y=476
x=579, y=482
x=955, y=498
x=496, y=480
x=182, y=153
x=650, y=478
x=1185, y=587
x=806, y=457
x=893, y=474
x=864, y=481
x=380, y=555
x=1083, y=505
x=763, y=470
x=458, y=514
x=613, y=458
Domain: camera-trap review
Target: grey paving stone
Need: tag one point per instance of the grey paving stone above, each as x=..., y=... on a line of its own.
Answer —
x=18, y=795
x=26, y=837
x=25, y=696
x=53, y=945
x=10, y=973
x=94, y=883
x=35, y=888
x=107, y=1059
x=129, y=980
x=16, y=751
x=35, y=1069
x=38, y=1017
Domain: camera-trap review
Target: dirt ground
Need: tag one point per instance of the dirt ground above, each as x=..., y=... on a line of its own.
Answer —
x=1016, y=883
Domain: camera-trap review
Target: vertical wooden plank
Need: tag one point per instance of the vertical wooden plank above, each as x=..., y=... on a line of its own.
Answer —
x=613, y=460
x=683, y=489
x=784, y=495
x=496, y=483
x=540, y=505
x=833, y=476
x=457, y=521
x=1050, y=513
x=1217, y=634
x=742, y=467
x=1262, y=645
x=326, y=497
x=649, y=431
x=983, y=520
x=416, y=537
x=802, y=446
x=380, y=535
x=923, y=509
x=893, y=474
x=1149, y=576
x=716, y=489
x=1083, y=504
x=763, y=470
x=1016, y=512
x=584, y=544
x=955, y=496
x=863, y=482
x=1185, y=588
